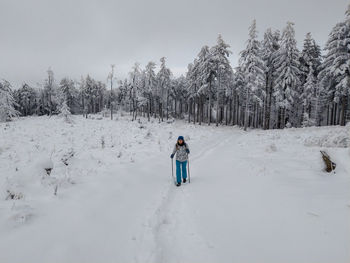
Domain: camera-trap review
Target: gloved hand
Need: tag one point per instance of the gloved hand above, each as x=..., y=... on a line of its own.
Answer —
x=188, y=151
x=172, y=156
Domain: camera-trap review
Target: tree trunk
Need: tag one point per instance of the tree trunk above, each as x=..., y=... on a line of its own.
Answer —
x=328, y=113
x=175, y=108
x=167, y=105
x=149, y=110
x=180, y=108
x=246, y=113
x=194, y=110
x=238, y=111
x=200, y=108
x=279, y=118
x=209, y=110
x=336, y=117
x=217, y=113
x=190, y=111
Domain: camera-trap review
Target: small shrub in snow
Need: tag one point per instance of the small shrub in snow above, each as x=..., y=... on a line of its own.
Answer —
x=48, y=170
x=11, y=195
x=67, y=156
x=148, y=135
x=47, y=165
x=103, y=142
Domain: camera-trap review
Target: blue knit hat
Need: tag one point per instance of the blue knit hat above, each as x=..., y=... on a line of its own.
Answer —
x=181, y=138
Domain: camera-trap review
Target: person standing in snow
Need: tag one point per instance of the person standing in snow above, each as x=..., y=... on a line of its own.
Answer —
x=181, y=150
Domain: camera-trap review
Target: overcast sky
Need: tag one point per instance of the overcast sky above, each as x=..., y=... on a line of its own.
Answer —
x=79, y=37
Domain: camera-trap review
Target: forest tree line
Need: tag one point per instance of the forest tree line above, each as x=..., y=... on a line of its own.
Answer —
x=275, y=85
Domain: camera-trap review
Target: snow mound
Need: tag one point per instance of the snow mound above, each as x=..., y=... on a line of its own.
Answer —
x=271, y=148
x=332, y=138
x=45, y=163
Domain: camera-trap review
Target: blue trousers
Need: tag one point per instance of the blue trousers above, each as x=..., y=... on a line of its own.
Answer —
x=181, y=167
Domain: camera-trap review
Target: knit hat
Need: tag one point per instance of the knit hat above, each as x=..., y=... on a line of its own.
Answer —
x=181, y=138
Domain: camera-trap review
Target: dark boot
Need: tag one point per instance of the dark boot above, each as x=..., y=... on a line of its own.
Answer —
x=184, y=180
x=178, y=184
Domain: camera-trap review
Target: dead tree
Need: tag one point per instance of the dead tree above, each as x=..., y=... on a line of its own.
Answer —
x=330, y=166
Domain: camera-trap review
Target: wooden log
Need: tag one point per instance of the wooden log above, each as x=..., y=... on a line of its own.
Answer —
x=330, y=166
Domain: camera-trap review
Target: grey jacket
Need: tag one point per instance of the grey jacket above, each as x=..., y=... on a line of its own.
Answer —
x=181, y=154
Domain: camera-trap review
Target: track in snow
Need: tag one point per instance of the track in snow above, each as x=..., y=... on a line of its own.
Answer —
x=174, y=227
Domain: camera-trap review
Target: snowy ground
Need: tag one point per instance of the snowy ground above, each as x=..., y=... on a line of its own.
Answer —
x=257, y=196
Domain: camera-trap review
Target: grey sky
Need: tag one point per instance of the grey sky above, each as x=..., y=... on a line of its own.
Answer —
x=77, y=37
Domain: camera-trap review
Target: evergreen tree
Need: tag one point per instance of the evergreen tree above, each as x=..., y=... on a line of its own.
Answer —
x=253, y=69
x=26, y=100
x=310, y=57
x=163, y=86
x=69, y=94
x=308, y=95
x=88, y=93
x=192, y=89
x=65, y=111
x=335, y=74
x=136, y=97
x=270, y=47
x=50, y=103
x=287, y=83
x=179, y=93
x=7, y=102
x=219, y=56
x=206, y=76
x=150, y=85
x=239, y=86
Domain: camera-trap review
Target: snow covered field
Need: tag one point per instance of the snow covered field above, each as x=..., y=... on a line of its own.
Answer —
x=256, y=196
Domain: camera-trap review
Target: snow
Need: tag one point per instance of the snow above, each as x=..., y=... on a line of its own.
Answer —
x=256, y=196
